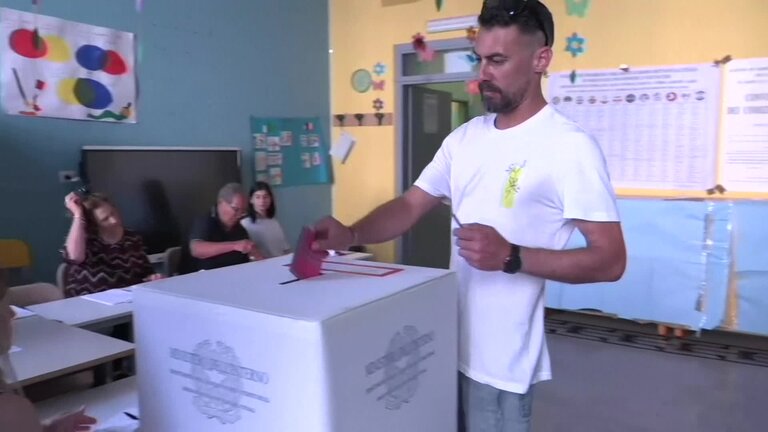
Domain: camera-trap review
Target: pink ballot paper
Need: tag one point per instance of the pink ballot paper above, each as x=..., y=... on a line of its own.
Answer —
x=306, y=262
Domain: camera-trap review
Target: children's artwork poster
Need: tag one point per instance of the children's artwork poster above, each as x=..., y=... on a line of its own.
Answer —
x=50, y=67
x=290, y=151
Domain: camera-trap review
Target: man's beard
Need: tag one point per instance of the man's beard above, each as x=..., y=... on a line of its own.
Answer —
x=503, y=104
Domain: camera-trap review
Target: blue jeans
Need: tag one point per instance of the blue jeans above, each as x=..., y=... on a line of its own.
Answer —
x=488, y=409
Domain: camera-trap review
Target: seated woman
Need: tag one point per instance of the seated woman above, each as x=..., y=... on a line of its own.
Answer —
x=100, y=253
x=17, y=414
x=263, y=229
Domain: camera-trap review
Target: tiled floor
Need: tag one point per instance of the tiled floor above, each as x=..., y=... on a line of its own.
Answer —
x=601, y=386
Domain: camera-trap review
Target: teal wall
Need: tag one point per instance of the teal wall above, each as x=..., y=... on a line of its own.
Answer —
x=205, y=67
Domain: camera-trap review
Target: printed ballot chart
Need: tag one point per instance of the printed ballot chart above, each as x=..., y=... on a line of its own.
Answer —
x=657, y=126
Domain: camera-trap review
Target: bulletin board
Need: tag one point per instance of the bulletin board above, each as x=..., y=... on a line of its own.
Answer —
x=657, y=126
x=290, y=151
x=667, y=131
x=607, y=38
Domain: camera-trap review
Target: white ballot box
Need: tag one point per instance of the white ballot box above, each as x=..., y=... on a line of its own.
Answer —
x=366, y=347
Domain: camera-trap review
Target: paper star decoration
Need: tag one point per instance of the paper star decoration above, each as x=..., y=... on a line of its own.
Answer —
x=575, y=45
x=378, y=104
x=379, y=69
x=378, y=85
x=578, y=7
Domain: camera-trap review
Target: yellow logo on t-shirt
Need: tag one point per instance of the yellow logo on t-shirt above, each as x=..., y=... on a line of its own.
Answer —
x=512, y=185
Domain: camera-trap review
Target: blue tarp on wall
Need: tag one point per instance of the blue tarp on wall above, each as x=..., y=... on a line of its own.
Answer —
x=750, y=242
x=677, y=269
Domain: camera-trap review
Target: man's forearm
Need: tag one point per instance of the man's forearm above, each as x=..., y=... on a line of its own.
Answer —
x=386, y=222
x=574, y=266
x=201, y=249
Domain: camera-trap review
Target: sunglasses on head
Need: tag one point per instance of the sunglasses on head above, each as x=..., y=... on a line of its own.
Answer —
x=515, y=8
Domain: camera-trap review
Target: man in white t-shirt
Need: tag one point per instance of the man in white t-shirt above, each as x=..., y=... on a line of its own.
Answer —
x=519, y=181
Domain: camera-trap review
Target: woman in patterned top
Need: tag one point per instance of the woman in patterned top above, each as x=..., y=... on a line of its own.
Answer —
x=101, y=254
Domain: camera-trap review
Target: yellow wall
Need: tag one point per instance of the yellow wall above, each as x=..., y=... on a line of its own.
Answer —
x=634, y=32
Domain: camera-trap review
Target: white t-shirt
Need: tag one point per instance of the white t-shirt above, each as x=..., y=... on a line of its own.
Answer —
x=528, y=182
x=268, y=236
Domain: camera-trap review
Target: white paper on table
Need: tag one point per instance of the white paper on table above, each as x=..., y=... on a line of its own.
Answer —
x=111, y=297
x=21, y=312
x=120, y=422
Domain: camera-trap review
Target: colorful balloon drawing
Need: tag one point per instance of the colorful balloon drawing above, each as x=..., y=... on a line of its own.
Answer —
x=66, y=69
x=86, y=92
x=58, y=49
x=28, y=43
x=66, y=91
x=95, y=58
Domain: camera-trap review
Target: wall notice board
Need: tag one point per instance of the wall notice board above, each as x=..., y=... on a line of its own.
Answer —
x=657, y=126
x=673, y=32
x=290, y=151
x=667, y=129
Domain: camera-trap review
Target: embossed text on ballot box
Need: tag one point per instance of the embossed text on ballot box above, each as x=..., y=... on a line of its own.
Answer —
x=365, y=347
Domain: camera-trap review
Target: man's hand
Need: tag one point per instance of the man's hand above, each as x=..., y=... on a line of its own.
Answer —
x=255, y=254
x=330, y=234
x=243, y=246
x=74, y=422
x=482, y=246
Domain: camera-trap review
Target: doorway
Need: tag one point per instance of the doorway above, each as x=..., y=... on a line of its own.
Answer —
x=433, y=101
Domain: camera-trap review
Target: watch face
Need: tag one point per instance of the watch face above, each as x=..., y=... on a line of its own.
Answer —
x=513, y=263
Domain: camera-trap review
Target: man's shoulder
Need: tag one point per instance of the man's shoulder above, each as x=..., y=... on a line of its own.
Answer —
x=206, y=219
x=557, y=123
x=468, y=131
x=203, y=226
x=473, y=125
x=566, y=137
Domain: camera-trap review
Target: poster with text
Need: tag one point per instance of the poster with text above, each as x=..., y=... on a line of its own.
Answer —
x=290, y=151
x=657, y=126
x=744, y=160
x=56, y=68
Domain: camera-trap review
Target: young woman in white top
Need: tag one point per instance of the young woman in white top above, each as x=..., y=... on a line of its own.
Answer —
x=262, y=226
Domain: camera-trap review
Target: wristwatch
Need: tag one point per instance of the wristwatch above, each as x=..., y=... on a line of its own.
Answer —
x=513, y=263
